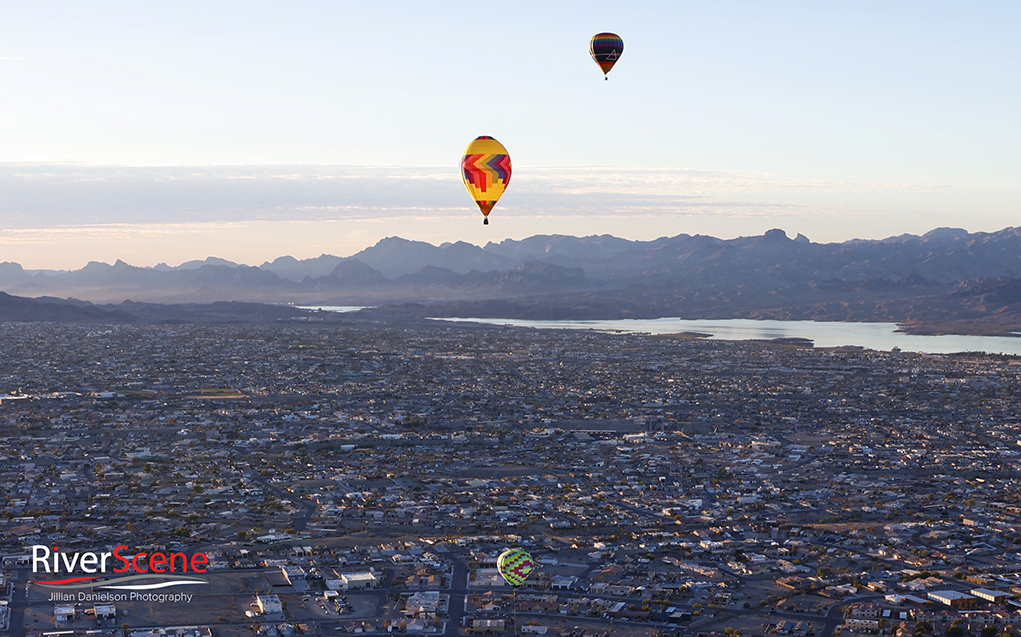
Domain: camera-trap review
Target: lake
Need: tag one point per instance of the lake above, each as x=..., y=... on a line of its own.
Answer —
x=879, y=336
x=333, y=308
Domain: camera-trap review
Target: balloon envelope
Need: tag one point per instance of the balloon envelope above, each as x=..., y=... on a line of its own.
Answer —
x=606, y=49
x=515, y=566
x=486, y=170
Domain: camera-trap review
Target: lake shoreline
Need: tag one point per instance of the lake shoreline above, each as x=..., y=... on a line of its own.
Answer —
x=958, y=329
x=919, y=338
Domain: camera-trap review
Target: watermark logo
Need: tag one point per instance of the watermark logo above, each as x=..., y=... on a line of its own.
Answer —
x=167, y=569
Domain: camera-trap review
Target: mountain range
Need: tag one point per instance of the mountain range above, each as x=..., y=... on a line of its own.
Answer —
x=945, y=280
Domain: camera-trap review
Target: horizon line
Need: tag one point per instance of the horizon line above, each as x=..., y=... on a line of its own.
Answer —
x=231, y=263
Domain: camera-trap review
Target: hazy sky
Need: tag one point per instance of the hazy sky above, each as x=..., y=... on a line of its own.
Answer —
x=170, y=131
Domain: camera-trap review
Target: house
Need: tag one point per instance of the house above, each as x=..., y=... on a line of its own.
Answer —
x=424, y=604
x=488, y=578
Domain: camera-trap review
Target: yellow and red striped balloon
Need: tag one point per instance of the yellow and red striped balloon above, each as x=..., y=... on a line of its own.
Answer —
x=486, y=170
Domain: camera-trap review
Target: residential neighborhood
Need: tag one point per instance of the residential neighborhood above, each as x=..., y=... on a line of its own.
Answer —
x=366, y=479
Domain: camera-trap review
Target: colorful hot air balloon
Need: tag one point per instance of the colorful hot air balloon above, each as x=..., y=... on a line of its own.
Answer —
x=486, y=169
x=515, y=566
x=605, y=49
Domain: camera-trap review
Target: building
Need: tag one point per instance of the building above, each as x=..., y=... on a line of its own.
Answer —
x=488, y=627
x=564, y=583
x=990, y=596
x=359, y=581
x=63, y=612
x=910, y=600
x=862, y=625
x=424, y=604
x=866, y=611
x=488, y=578
x=105, y=611
x=332, y=580
x=954, y=599
x=16, y=560
x=268, y=604
x=295, y=575
x=173, y=631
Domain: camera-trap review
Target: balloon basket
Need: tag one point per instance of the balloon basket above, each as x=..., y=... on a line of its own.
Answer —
x=485, y=221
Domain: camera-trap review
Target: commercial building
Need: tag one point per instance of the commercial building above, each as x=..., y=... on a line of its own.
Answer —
x=358, y=581
x=990, y=596
x=268, y=604
x=105, y=611
x=63, y=612
x=954, y=599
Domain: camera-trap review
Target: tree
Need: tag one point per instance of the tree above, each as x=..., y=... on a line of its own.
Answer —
x=956, y=628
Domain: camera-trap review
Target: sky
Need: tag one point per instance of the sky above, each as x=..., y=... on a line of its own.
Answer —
x=163, y=132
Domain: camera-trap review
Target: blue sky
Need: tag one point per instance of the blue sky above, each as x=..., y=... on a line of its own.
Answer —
x=170, y=131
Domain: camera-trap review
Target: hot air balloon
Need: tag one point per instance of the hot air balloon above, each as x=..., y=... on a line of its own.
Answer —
x=515, y=566
x=486, y=170
x=605, y=49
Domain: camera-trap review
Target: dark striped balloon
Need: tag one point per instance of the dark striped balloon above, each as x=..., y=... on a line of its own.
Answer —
x=605, y=49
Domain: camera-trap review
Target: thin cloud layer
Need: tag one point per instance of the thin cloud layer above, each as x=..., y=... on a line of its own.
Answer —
x=46, y=195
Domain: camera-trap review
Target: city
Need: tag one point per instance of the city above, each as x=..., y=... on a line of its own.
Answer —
x=562, y=319
x=364, y=479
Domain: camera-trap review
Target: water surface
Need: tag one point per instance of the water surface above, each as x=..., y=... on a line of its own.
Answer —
x=879, y=336
x=332, y=308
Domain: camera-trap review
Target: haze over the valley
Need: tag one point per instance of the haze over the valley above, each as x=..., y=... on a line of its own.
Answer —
x=945, y=280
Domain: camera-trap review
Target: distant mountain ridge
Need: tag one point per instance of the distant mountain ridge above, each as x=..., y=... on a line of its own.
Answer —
x=394, y=256
x=943, y=254
x=595, y=277
x=13, y=308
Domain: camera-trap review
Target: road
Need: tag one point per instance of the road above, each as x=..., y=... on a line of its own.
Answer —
x=19, y=603
x=458, y=592
x=308, y=510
